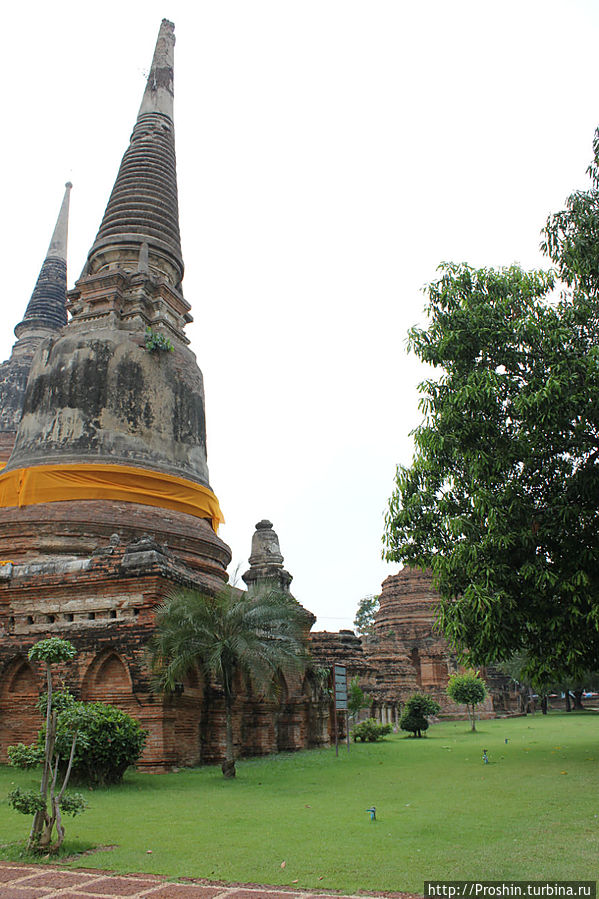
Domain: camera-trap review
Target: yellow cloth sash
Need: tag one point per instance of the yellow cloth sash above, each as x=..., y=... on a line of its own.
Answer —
x=60, y=483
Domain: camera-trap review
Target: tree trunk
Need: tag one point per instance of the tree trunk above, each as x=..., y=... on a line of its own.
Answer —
x=577, y=694
x=228, y=766
x=59, y=827
x=40, y=819
x=46, y=834
x=473, y=717
x=544, y=704
x=523, y=694
x=568, y=706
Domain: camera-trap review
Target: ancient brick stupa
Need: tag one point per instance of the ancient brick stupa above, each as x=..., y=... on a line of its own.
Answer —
x=45, y=314
x=105, y=502
x=112, y=436
x=409, y=655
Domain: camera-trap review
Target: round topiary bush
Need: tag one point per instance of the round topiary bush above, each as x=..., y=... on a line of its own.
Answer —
x=108, y=741
x=413, y=722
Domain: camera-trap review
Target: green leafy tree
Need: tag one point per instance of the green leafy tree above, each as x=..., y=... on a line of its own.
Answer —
x=573, y=688
x=234, y=632
x=571, y=236
x=417, y=710
x=356, y=698
x=47, y=804
x=500, y=501
x=469, y=690
x=516, y=668
x=365, y=615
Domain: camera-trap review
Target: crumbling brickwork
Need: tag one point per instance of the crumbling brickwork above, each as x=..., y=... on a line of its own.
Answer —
x=105, y=605
x=409, y=655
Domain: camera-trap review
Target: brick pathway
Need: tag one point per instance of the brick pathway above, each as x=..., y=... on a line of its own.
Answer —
x=47, y=882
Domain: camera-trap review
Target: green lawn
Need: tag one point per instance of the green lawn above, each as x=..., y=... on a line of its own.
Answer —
x=532, y=813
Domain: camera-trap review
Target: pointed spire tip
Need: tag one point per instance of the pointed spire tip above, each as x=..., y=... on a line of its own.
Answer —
x=158, y=95
x=47, y=304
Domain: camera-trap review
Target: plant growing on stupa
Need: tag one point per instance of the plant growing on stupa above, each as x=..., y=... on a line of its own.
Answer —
x=47, y=804
x=157, y=343
x=233, y=632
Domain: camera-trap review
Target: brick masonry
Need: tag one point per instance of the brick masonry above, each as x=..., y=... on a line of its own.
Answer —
x=409, y=655
x=105, y=604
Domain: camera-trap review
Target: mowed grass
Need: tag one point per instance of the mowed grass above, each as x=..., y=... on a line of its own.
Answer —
x=532, y=813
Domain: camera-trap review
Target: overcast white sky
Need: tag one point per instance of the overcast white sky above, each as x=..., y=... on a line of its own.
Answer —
x=330, y=154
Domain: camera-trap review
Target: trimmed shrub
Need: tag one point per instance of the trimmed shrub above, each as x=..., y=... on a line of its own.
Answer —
x=371, y=731
x=108, y=741
x=417, y=709
x=424, y=705
x=413, y=722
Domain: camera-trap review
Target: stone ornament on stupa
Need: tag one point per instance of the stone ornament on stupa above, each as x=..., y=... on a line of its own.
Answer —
x=266, y=561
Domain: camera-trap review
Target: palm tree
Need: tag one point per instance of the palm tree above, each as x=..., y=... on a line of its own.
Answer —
x=258, y=634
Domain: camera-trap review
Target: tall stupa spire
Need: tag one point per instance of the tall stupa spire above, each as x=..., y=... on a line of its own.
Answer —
x=45, y=315
x=47, y=306
x=143, y=207
x=113, y=413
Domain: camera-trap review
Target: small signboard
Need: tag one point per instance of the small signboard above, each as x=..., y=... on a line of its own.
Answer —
x=340, y=675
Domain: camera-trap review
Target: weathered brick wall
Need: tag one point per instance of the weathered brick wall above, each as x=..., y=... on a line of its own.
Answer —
x=19, y=719
x=75, y=530
x=410, y=656
x=105, y=605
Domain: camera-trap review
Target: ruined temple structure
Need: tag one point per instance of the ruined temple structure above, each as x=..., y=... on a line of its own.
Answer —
x=105, y=500
x=106, y=504
x=409, y=656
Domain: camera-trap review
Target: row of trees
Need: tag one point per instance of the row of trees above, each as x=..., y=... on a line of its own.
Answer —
x=465, y=689
x=501, y=500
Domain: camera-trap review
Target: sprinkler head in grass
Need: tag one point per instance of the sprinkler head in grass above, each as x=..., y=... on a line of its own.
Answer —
x=372, y=812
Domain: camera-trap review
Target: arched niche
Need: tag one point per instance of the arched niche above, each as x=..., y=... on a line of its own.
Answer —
x=21, y=680
x=191, y=680
x=281, y=689
x=107, y=676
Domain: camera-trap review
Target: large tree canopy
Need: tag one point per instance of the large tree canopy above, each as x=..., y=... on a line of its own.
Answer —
x=502, y=498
